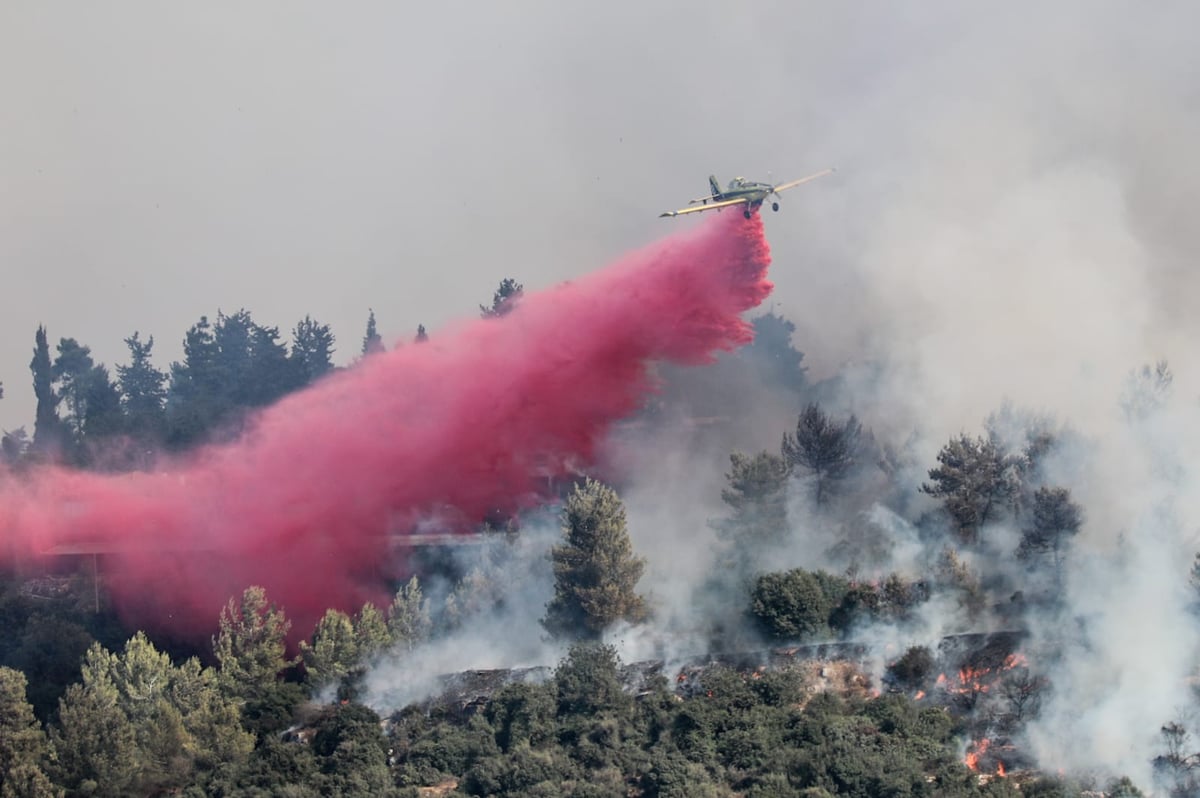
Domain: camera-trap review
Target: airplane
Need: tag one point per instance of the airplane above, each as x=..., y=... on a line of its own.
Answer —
x=741, y=192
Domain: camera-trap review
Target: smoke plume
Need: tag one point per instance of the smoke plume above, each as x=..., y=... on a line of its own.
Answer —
x=475, y=421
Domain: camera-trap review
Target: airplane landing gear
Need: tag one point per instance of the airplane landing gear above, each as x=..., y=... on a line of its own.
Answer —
x=774, y=206
x=746, y=213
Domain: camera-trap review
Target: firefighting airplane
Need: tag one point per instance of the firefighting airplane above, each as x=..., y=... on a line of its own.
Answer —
x=740, y=192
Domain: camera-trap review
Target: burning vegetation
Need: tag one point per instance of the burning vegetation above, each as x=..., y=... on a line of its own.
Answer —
x=829, y=605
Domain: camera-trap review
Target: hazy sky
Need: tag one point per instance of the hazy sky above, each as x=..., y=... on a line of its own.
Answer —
x=998, y=165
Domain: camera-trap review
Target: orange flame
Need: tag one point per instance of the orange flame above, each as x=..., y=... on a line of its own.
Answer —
x=972, y=759
x=920, y=694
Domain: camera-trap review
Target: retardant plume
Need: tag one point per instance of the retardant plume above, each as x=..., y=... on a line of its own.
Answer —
x=451, y=430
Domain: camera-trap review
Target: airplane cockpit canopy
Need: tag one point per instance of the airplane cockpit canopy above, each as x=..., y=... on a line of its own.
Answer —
x=737, y=181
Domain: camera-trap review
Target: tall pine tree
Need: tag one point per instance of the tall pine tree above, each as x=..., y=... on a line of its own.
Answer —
x=595, y=570
x=142, y=391
x=372, y=343
x=48, y=429
x=312, y=350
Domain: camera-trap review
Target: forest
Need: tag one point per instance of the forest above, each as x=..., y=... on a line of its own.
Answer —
x=896, y=555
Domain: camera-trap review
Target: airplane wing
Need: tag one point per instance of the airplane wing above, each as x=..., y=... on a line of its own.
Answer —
x=794, y=183
x=709, y=207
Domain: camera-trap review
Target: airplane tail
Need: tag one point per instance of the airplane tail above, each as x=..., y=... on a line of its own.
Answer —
x=714, y=185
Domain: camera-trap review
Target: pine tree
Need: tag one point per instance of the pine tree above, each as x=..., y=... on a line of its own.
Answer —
x=756, y=495
x=827, y=449
x=971, y=482
x=595, y=570
x=271, y=374
x=334, y=650
x=504, y=301
x=71, y=369
x=168, y=722
x=371, y=630
x=372, y=343
x=94, y=744
x=773, y=353
x=408, y=618
x=196, y=400
x=143, y=391
x=23, y=744
x=1056, y=519
x=422, y=336
x=48, y=430
x=312, y=350
x=251, y=643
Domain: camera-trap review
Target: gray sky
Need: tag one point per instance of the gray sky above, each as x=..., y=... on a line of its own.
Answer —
x=158, y=162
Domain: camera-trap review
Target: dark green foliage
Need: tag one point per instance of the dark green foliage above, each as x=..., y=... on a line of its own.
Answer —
x=504, y=301
x=893, y=599
x=673, y=776
x=1123, y=788
x=275, y=768
x=914, y=669
x=595, y=570
x=250, y=644
x=49, y=653
x=588, y=680
x=740, y=735
x=351, y=752
x=229, y=368
x=91, y=397
x=143, y=391
x=1050, y=787
x=524, y=772
x=799, y=604
x=14, y=445
x=23, y=746
x=272, y=708
x=1056, y=519
x=428, y=751
x=522, y=714
x=372, y=342
x=49, y=433
x=970, y=483
x=756, y=496
x=140, y=722
x=773, y=352
x=312, y=350
x=796, y=604
x=826, y=449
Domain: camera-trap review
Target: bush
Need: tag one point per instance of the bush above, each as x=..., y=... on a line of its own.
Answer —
x=790, y=605
x=912, y=671
x=588, y=680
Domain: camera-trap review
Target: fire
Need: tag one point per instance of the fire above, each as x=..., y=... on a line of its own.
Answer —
x=920, y=694
x=979, y=680
x=972, y=679
x=977, y=751
x=981, y=748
